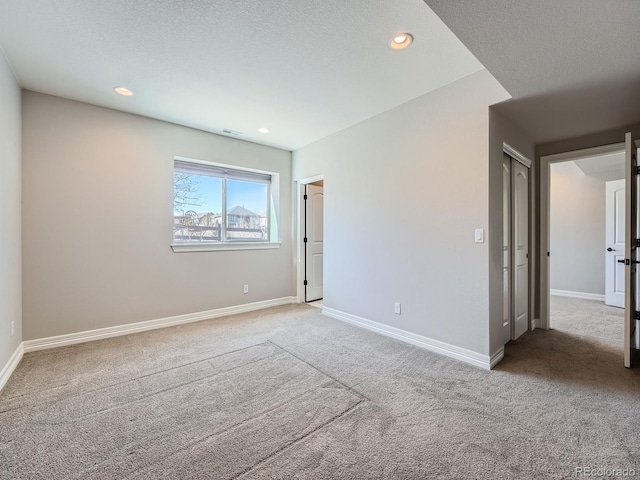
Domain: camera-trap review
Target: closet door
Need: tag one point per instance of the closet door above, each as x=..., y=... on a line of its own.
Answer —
x=520, y=248
x=506, y=241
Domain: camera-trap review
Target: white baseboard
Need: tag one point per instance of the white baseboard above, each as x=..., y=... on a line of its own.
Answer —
x=468, y=356
x=586, y=296
x=11, y=365
x=534, y=323
x=101, y=333
x=496, y=358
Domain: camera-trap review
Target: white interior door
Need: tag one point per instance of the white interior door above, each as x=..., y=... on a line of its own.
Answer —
x=631, y=251
x=314, y=213
x=506, y=241
x=520, y=246
x=615, y=242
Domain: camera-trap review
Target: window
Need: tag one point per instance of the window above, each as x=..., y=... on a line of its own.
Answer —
x=217, y=204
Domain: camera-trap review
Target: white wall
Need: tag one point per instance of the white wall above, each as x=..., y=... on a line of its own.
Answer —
x=404, y=192
x=577, y=230
x=97, y=221
x=10, y=227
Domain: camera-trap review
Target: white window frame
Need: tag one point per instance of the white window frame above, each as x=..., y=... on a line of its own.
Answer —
x=273, y=235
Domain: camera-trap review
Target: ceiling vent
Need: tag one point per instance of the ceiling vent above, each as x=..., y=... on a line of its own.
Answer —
x=227, y=131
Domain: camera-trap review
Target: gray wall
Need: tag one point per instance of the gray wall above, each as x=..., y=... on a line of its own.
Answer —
x=404, y=192
x=502, y=130
x=577, y=230
x=97, y=221
x=10, y=227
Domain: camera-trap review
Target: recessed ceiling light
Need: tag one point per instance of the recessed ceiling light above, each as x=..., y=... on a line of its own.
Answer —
x=123, y=91
x=400, y=41
x=263, y=130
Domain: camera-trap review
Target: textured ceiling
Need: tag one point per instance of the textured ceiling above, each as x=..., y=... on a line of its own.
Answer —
x=605, y=167
x=302, y=68
x=571, y=66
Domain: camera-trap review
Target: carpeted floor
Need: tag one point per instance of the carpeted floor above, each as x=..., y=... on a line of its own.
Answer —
x=289, y=393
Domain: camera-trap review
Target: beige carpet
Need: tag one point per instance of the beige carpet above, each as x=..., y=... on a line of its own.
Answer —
x=289, y=393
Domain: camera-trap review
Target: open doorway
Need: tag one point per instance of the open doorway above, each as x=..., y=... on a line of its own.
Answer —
x=314, y=242
x=583, y=234
x=311, y=241
x=587, y=228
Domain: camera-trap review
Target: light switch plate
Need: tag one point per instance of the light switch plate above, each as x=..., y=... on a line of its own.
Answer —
x=479, y=235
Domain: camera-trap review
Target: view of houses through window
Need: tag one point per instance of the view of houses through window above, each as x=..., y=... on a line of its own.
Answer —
x=201, y=192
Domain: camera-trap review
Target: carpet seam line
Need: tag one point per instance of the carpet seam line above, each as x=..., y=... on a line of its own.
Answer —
x=168, y=389
x=298, y=440
x=225, y=430
x=207, y=359
x=349, y=388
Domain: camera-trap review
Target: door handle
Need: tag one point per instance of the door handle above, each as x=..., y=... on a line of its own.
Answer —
x=621, y=260
x=609, y=249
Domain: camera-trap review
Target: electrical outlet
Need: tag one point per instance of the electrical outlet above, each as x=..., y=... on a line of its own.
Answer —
x=246, y=289
x=396, y=308
x=13, y=326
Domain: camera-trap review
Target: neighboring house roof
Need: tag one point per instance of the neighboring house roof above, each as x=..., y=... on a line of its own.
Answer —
x=241, y=212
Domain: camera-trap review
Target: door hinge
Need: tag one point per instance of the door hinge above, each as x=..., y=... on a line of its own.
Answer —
x=637, y=170
x=637, y=242
x=637, y=316
x=305, y=239
x=305, y=283
x=305, y=196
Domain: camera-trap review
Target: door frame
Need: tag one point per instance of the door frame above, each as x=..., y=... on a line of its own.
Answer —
x=545, y=213
x=299, y=232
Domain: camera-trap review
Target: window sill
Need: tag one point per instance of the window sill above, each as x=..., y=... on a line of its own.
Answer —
x=220, y=247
